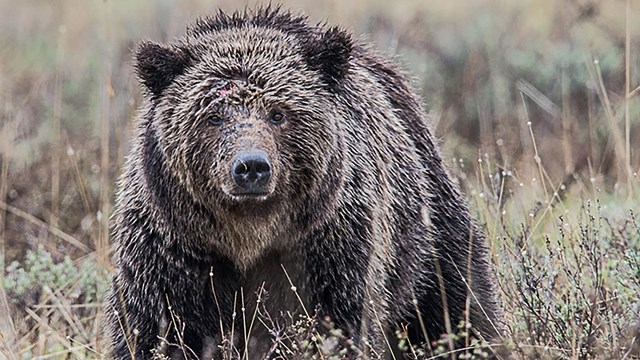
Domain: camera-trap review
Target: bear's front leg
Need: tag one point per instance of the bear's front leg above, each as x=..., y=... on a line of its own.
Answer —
x=134, y=319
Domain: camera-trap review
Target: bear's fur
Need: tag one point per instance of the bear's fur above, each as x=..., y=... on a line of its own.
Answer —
x=359, y=213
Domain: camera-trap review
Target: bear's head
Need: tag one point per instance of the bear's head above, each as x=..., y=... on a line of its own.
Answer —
x=244, y=106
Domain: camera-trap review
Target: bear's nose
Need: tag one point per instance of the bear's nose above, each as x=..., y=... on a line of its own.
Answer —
x=251, y=171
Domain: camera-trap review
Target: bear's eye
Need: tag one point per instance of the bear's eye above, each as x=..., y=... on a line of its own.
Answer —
x=215, y=120
x=277, y=118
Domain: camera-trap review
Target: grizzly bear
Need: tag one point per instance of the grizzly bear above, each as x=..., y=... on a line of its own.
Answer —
x=282, y=159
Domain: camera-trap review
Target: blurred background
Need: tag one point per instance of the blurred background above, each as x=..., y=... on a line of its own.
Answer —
x=545, y=90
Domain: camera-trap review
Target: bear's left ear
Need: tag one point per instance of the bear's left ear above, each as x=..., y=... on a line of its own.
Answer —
x=157, y=65
x=330, y=55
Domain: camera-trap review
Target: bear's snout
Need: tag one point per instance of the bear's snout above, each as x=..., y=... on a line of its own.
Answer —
x=251, y=172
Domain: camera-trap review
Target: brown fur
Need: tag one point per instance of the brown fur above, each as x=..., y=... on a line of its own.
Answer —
x=358, y=209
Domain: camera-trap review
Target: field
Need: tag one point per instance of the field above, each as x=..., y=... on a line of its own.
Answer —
x=536, y=104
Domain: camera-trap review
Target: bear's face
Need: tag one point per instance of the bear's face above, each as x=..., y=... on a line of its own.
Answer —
x=243, y=126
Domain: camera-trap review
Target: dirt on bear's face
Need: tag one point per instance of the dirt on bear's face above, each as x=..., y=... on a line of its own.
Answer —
x=247, y=131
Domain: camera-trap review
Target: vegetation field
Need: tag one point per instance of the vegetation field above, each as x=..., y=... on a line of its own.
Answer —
x=536, y=104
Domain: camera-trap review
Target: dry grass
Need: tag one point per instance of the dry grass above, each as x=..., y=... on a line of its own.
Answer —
x=537, y=103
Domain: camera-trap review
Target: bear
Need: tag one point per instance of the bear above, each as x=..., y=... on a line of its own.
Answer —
x=276, y=157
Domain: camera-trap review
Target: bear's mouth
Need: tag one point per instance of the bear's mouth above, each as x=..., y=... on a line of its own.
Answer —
x=254, y=196
x=251, y=205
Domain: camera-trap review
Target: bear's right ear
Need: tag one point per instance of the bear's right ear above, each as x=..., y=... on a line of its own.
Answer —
x=157, y=65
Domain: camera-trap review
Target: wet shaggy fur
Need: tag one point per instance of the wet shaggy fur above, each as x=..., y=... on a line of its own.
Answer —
x=359, y=210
